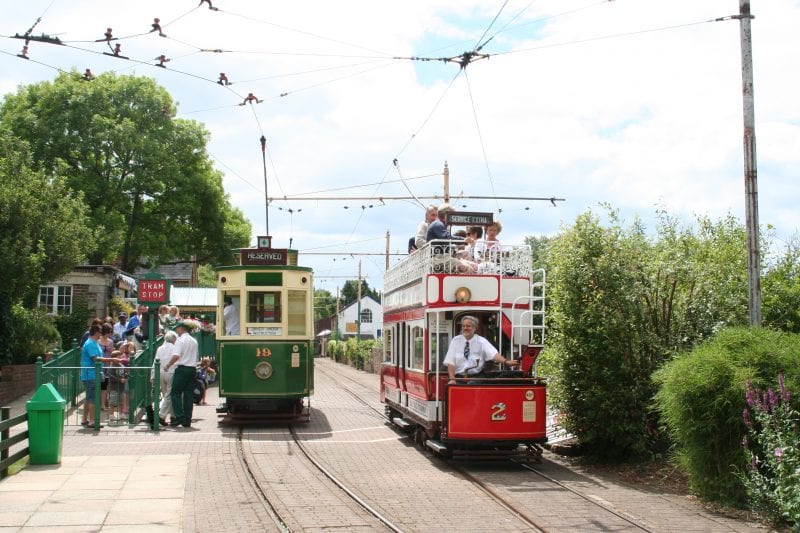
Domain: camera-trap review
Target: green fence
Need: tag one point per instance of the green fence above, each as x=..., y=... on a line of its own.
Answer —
x=64, y=372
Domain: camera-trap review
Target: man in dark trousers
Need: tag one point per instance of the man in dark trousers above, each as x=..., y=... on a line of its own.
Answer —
x=184, y=359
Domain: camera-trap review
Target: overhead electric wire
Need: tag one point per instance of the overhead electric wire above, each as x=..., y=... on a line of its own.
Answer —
x=611, y=36
x=479, y=45
x=302, y=32
x=362, y=185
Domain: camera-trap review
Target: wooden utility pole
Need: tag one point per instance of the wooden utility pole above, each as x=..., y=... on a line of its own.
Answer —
x=337, y=314
x=358, y=309
x=446, y=175
x=387, y=250
x=750, y=168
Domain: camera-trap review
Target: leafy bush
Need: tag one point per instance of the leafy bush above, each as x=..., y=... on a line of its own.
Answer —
x=622, y=303
x=72, y=326
x=33, y=334
x=336, y=350
x=701, y=398
x=772, y=448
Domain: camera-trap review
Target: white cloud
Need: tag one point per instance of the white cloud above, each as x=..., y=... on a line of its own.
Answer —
x=651, y=118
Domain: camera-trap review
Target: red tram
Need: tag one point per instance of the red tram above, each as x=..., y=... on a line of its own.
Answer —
x=500, y=414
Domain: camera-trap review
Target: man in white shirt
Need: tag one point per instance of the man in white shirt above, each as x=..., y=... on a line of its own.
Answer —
x=468, y=352
x=230, y=313
x=184, y=359
x=164, y=356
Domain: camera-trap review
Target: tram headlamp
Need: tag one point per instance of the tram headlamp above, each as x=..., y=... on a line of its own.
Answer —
x=263, y=370
x=463, y=295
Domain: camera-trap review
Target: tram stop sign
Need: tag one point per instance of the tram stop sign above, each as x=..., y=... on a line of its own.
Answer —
x=153, y=290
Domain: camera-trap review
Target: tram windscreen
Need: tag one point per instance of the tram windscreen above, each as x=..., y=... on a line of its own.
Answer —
x=263, y=307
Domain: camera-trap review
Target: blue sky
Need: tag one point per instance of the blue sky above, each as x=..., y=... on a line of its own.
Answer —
x=584, y=100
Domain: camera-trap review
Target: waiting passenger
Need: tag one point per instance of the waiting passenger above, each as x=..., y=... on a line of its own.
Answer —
x=469, y=351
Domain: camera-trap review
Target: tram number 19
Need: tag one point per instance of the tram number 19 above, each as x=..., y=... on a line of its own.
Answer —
x=499, y=411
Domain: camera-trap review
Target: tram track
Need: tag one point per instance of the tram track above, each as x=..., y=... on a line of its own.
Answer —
x=339, y=483
x=253, y=479
x=283, y=519
x=492, y=493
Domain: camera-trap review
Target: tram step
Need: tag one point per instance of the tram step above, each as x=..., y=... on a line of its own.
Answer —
x=401, y=423
x=435, y=445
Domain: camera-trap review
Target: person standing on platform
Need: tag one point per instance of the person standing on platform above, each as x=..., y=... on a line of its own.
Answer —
x=91, y=353
x=184, y=359
x=164, y=356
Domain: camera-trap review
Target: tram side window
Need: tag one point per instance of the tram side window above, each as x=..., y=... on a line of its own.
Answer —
x=439, y=344
x=388, y=339
x=228, y=319
x=418, y=347
x=297, y=313
x=264, y=306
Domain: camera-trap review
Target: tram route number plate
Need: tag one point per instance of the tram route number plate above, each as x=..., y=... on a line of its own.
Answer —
x=265, y=332
x=529, y=411
x=295, y=360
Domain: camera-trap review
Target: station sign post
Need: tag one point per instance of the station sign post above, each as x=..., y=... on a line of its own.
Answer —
x=153, y=292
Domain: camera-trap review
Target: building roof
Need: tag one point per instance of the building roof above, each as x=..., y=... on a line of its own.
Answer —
x=177, y=271
x=355, y=303
x=193, y=296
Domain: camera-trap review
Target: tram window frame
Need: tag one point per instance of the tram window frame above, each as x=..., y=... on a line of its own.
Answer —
x=253, y=308
x=388, y=339
x=417, y=347
x=439, y=341
x=236, y=298
x=296, y=321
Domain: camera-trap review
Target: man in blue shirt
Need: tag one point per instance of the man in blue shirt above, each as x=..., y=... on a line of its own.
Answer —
x=91, y=353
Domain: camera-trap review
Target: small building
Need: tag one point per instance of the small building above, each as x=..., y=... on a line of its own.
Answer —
x=97, y=284
x=371, y=319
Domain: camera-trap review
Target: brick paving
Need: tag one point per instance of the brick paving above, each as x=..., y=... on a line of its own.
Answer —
x=130, y=478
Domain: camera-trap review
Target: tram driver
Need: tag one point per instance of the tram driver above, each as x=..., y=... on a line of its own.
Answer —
x=469, y=351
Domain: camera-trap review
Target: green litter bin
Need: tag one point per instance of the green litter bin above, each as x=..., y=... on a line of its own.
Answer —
x=45, y=425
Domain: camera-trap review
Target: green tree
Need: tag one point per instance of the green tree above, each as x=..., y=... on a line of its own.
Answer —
x=324, y=304
x=349, y=293
x=206, y=276
x=43, y=231
x=148, y=183
x=781, y=290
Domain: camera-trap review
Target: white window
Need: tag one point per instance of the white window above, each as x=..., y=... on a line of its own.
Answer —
x=366, y=316
x=56, y=299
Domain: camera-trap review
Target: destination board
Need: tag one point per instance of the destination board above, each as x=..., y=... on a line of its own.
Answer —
x=465, y=218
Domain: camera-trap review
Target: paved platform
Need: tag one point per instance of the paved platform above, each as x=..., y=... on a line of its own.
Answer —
x=129, y=478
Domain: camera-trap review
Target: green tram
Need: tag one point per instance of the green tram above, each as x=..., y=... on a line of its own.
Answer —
x=265, y=356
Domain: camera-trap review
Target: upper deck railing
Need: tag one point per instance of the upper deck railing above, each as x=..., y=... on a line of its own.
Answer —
x=453, y=257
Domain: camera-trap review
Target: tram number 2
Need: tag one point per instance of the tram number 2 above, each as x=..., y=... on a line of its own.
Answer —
x=499, y=411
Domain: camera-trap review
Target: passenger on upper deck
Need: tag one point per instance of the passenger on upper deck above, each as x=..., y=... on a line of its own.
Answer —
x=468, y=352
x=422, y=229
x=437, y=230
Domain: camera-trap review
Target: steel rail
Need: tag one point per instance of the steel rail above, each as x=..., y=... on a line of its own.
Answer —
x=336, y=481
x=279, y=522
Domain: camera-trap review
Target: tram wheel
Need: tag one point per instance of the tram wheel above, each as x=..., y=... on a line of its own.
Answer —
x=420, y=436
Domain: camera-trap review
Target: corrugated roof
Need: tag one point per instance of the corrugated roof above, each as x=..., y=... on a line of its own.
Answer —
x=193, y=297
